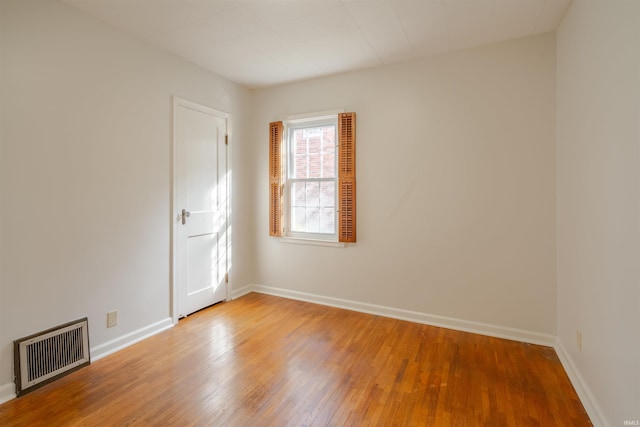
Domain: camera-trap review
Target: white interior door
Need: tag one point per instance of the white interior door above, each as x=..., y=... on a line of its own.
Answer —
x=200, y=220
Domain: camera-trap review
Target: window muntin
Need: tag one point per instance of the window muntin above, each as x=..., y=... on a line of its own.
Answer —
x=311, y=185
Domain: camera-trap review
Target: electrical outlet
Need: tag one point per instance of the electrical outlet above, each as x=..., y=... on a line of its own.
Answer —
x=112, y=318
x=579, y=340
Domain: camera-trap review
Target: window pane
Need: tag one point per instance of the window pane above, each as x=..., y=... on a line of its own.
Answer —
x=315, y=170
x=329, y=152
x=328, y=137
x=299, y=192
x=313, y=194
x=299, y=142
x=298, y=219
x=313, y=220
x=299, y=147
x=300, y=166
x=315, y=141
x=328, y=220
x=313, y=152
x=313, y=207
x=328, y=165
x=328, y=194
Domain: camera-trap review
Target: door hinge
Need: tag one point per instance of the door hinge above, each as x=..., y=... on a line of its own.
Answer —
x=226, y=139
x=226, y=278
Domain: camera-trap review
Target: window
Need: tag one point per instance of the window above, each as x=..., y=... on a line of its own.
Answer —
x=312, y=178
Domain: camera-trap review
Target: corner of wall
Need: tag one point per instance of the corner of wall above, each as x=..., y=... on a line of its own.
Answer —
x=7, y=392
x=580, y=385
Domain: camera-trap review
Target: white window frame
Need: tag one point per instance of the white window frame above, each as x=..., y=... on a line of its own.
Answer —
x=297, y=122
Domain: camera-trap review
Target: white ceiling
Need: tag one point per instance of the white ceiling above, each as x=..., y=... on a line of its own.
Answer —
x=259, y=43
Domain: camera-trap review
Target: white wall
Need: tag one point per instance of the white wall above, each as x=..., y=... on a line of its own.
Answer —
x=85, y=173
x=462, y=145
x=598, y=137
x=456, y=187
x=5, y=388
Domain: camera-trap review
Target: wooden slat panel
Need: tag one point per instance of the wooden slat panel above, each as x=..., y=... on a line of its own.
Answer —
x=275, y=144
x=347, y=145
x=347, y=177
x=275, y=178
x=347, y=216
x=274, y=209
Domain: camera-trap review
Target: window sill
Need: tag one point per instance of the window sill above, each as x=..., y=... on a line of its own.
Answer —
x=312, y=242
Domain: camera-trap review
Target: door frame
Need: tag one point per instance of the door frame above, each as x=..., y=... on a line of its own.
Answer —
x=177, y=102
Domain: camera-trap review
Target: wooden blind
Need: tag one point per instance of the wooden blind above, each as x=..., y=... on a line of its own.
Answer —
x=275, y=178
x=347, y=177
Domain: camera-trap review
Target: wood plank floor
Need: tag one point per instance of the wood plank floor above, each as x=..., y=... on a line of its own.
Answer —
x=267, y=361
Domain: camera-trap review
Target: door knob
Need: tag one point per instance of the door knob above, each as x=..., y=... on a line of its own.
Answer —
x=184, y=215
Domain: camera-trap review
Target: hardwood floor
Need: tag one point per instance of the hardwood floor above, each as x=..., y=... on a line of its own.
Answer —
x=267, y=361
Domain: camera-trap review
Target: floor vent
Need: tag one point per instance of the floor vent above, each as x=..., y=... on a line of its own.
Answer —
x=51, y=354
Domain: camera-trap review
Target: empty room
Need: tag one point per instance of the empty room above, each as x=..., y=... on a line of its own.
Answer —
x=411, y=212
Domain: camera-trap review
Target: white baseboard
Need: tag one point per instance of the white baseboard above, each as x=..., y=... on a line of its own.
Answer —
x=7, y=392
x=102, y=350
x=584, y=393
x=411, y=316
x=580, y=385
x=237, y=293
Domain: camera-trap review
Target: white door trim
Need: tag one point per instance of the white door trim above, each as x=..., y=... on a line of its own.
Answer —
x=177, y=102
